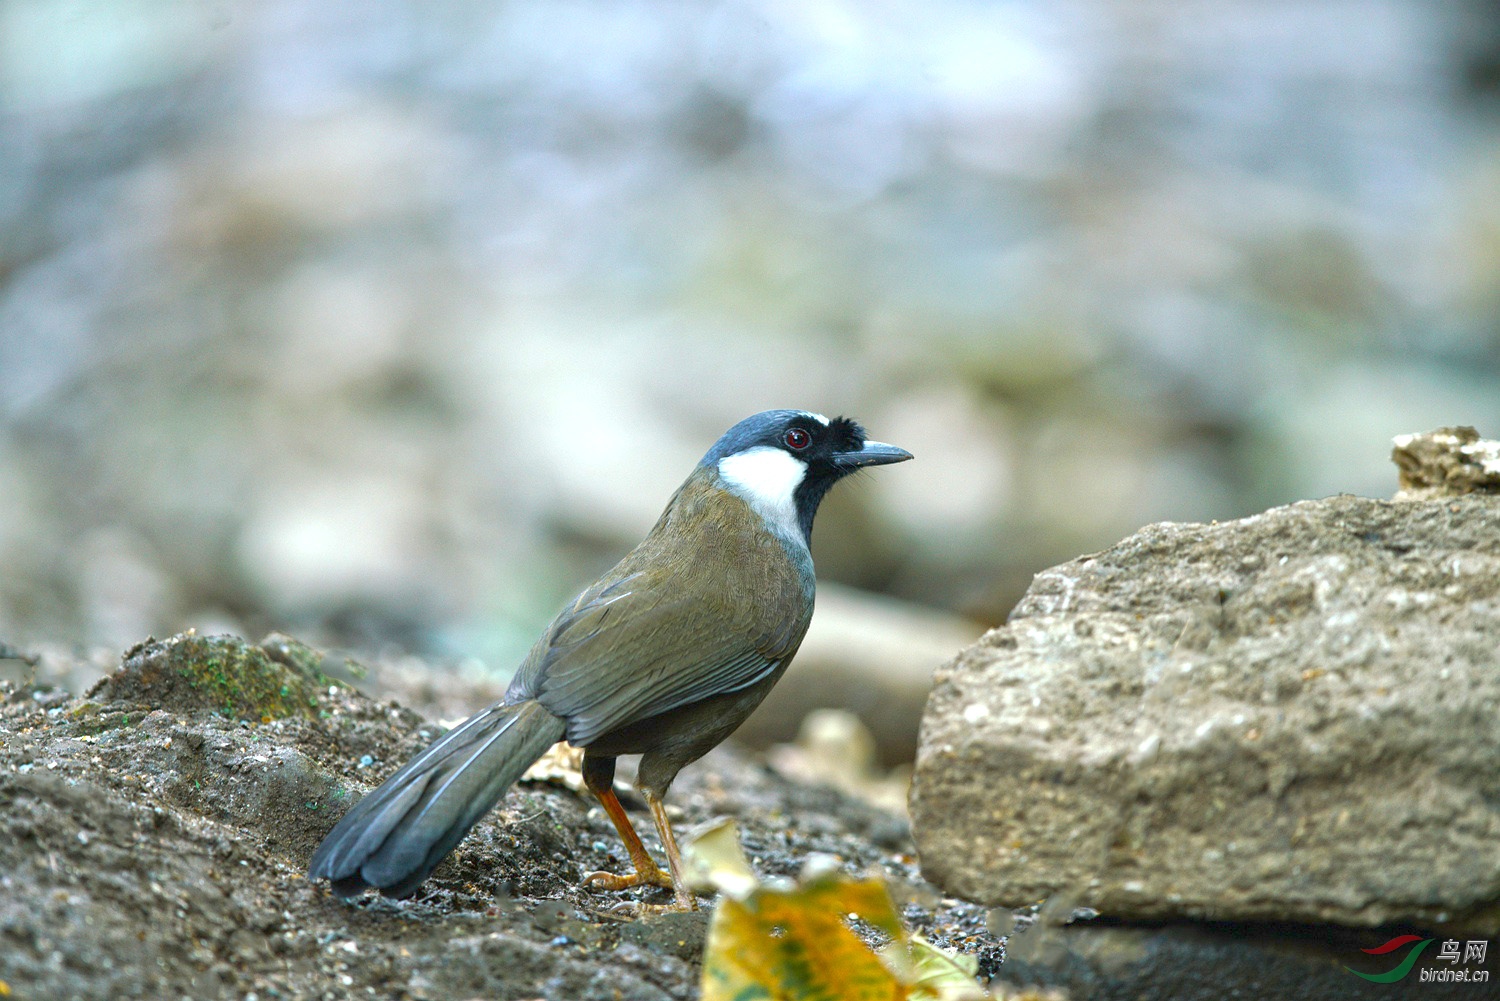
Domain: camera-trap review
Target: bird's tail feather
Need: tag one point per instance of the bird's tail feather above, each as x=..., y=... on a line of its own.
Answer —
x=394, y=837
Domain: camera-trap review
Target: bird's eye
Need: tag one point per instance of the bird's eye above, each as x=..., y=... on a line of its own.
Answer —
x=796, y=438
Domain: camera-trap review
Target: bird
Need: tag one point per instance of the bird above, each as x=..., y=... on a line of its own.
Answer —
x=664, y=656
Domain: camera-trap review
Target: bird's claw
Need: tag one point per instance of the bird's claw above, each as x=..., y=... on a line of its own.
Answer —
x=641, y=877
x=632, y=909
x=653, y=876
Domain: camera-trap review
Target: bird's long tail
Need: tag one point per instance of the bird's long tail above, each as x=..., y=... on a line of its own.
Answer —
x=394, y=837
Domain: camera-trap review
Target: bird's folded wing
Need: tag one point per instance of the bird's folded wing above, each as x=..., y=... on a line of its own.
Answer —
x=621, y=654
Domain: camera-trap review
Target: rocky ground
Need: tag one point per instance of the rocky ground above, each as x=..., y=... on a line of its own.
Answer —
x=154, y=836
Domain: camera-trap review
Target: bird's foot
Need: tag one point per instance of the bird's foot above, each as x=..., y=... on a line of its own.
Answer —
x=647, y=875
x=629, y=910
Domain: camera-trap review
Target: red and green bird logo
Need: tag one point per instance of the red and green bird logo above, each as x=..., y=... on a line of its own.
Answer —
x=1391, y=976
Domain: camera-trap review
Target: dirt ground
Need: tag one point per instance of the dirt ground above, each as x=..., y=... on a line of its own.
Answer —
x=154, y=837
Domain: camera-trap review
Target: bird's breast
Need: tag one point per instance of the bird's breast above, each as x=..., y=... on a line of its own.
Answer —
x=718, y=544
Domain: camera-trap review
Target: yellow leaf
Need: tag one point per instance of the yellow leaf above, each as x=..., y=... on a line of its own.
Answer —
x=787, y=952
x=714, y=861
x=940, y=975
x=769, y=942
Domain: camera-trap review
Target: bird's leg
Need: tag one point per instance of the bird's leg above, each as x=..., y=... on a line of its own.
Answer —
x=685, y=899
x=599, y=776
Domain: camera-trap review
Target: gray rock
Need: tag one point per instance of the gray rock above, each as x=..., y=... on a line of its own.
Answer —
x=1289, y=717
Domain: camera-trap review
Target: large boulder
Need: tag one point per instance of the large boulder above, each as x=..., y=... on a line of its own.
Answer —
x=1291, y=717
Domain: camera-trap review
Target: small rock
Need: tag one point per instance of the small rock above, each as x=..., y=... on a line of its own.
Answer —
x=1448, y=462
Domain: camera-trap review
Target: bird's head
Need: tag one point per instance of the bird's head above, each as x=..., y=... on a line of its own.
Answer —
x=782, y=462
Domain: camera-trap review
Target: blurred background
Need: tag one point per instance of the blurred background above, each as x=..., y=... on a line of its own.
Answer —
x=392, y=324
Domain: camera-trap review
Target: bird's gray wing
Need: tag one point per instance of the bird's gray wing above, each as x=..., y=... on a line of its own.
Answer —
x=632, y=647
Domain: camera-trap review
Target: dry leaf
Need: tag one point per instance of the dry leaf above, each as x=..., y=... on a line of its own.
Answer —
x=562, y=765
x=773, y=942
x=715, y=861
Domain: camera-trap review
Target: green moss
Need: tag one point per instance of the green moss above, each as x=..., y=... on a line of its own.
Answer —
x=244, y=681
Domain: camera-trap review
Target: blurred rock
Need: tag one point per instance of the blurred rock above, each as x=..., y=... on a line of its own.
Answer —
x=833, y=747
x=871, y=656
x=1448, y=462
x=1284, y=718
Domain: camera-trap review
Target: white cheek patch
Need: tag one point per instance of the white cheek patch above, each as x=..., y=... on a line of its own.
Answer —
x=767, y=478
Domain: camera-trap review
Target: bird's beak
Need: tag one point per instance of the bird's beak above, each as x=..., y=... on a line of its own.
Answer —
x=875, y=453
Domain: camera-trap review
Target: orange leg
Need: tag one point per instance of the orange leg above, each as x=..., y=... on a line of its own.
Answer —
x=685, y=898
x=599, y=775
x=647, y=872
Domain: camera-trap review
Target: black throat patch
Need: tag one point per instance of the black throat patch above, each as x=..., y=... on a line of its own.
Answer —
x=841, y=435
